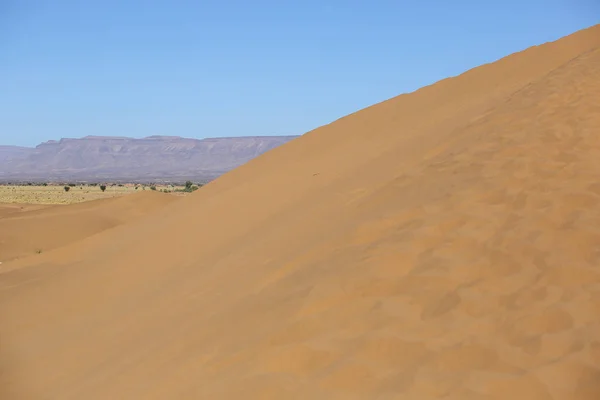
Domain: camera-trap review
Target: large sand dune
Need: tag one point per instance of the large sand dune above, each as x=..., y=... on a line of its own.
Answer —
x=442, y=244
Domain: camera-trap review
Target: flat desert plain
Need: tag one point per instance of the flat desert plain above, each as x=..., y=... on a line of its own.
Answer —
x=443, y=244
x=56, y=194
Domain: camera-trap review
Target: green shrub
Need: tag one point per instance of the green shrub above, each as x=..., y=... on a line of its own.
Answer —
x=103, y=187
x=67, y=188
x=189, y=187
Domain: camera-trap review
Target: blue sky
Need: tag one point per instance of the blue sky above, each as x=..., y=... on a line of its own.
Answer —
x=235, y=68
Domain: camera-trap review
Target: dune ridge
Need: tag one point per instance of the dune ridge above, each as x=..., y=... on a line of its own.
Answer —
x=441, y=244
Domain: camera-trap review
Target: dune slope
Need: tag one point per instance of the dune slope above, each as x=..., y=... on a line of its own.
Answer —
x=39, y=229
x=7, y=209
x=442, y=244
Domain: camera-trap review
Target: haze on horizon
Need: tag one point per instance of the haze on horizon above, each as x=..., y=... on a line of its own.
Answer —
x=71, y=69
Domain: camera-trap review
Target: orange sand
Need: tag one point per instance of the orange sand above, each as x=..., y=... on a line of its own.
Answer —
x=440, y=245
x=32, y=229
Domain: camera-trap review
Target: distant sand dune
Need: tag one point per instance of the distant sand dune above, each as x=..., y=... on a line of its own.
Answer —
x=12, y=208
x=33, y=230
x=440, y=245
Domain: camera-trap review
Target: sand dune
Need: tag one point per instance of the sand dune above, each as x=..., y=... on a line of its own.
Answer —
x=442, y=244
x=12, y=208
x=26, y=229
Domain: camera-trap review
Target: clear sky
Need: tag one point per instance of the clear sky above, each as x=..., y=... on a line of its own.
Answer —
x=233, y=68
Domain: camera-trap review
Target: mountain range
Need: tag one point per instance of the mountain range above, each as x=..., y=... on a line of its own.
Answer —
x=154, y=158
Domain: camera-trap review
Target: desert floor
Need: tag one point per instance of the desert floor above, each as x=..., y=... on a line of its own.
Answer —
x=55, y=194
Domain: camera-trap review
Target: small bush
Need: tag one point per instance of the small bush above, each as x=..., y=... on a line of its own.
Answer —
x=67, y=188
x=152, y=187
x=103, y=187
x=189, y=187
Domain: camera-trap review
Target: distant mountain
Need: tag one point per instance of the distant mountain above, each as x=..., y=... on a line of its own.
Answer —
x=154, y=158
x=11, y=152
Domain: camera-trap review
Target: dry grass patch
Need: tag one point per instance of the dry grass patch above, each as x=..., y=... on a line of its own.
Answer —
x=56, y=194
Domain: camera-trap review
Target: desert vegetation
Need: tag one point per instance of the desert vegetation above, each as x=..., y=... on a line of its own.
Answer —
x=63, y=193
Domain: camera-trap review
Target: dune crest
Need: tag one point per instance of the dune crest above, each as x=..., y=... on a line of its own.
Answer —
x=442, y=244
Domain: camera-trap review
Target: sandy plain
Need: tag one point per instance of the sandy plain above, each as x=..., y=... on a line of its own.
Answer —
x=55, y=194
